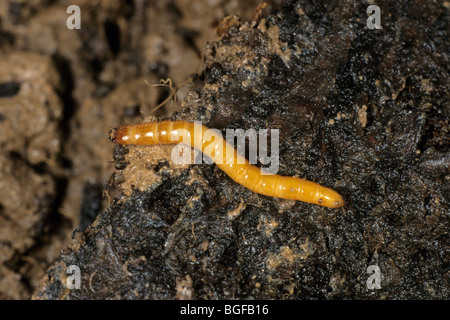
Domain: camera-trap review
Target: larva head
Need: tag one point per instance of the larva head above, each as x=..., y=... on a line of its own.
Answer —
x=329, y=198
x=119, y=135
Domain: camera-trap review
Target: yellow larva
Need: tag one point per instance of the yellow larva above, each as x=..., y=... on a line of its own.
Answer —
x=235, y=166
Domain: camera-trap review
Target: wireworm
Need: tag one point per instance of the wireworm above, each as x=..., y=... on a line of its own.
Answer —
x=232, y=163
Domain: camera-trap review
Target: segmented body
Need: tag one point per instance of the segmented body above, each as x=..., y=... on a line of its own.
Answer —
x=232, y=163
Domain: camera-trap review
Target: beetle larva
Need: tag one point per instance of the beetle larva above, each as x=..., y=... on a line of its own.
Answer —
x=233, y=164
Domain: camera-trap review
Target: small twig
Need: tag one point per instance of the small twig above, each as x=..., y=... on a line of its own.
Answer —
x=167, y=83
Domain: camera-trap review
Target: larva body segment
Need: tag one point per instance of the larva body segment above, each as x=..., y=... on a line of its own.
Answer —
x=232, y=163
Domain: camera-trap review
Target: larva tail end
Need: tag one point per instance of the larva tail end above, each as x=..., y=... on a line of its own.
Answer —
x=338, y=203
x=330, y=198
x=334, y=202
